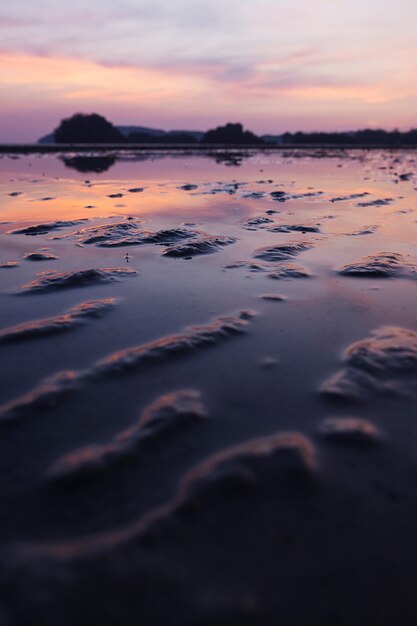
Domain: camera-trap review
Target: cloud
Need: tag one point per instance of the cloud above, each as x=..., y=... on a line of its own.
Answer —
x=263, y=57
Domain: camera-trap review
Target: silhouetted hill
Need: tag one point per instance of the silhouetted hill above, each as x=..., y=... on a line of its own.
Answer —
x=273, y=139
x=156, y=132
x=197, y=134
x=163, y=135
x=231, y=133
x=87, y=128
x=47, y=139
x=167, y=138
x=128, y=130
x=366, y=137
x=81, y=128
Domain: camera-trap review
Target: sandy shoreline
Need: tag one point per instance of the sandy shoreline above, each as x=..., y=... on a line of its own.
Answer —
x=208, y=396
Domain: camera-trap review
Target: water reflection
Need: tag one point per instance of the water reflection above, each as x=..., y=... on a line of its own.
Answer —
x=89, y=164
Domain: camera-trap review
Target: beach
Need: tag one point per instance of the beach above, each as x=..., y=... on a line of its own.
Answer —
x=208, y=388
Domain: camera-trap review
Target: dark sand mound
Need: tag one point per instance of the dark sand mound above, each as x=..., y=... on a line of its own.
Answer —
x=254, y=195
x=166, y=236
x=283, y=196
x=282, y=251
x=287, y=271
x=296, y=228
x=352, y=196
x=249, y=265
x=130, y=234
x=167, y=415
x=384, y=363
x=162, y=237
x=219, y=187
x=136, y=190
x=281, y=270
x=305, y=195
x=279, y=196
x=108, y=232
x=229, y=188
x=40, y=256
x=42, y=229
x=379, y=265
x=253, y=223
x=202, y=245
x=366, y=230
x=349, y=430
x=377, y=202
x=61, y=323
x=188, y=187
x=275, y=297
x=406, y=176
x=8, y=264
x=51, y=281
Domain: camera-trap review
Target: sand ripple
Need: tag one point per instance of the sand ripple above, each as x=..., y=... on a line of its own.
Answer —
x=166, y=415
x=51, y=281
x=42, y=229
x=281, y=252
x=379, y=265
x=202, y=245
x=61, y=323
x=384, y=363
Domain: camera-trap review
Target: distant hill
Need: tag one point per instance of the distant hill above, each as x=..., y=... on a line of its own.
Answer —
x=197, y=134
x=47, y=139
x=366, y=137
x=236, y=134
x=231, y=134
x=272, y=138
x=128, y=130
x=157, y=132
x=166, y=138
x=87, y=128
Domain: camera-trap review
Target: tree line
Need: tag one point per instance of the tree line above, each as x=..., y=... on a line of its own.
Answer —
x=94, y=128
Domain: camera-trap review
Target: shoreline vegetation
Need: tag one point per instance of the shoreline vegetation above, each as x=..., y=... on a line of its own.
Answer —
x=92, y=131
x=35, y=148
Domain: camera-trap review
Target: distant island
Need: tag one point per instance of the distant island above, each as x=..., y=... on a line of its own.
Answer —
x=93, y=128
x=81, y=128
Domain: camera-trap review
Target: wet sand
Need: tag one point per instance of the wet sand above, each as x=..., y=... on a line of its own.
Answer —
x=208, y=389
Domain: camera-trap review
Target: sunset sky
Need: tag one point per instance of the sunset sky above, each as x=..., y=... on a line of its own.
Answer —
x=274, y=65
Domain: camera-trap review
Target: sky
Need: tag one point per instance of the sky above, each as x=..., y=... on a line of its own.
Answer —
x=274, y=65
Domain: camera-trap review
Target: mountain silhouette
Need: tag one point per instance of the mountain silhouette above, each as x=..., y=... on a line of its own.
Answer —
x=232, y=134
x=87, y=128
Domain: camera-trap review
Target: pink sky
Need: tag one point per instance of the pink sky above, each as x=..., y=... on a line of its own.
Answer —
x=273, y=65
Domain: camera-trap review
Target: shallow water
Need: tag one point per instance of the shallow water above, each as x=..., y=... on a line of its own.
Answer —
x=208, y=388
